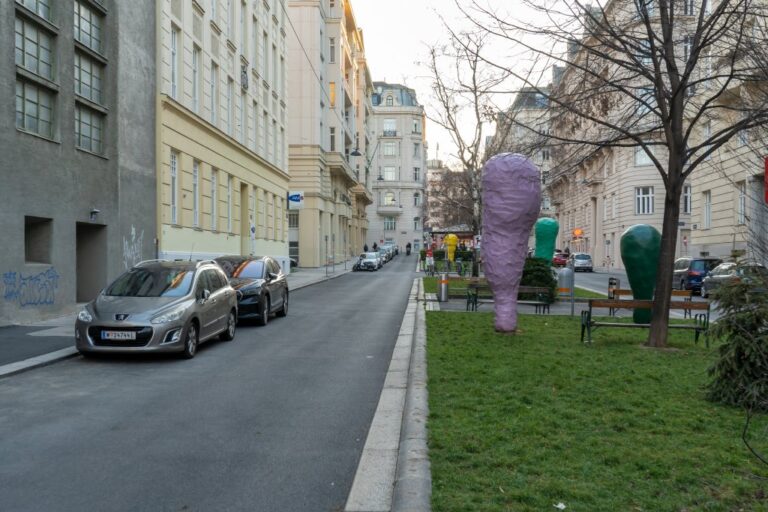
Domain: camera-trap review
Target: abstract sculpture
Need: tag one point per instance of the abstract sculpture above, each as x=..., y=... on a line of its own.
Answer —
x=511, y=202
x=451, y=241
x=546, y=233
x=640, y=248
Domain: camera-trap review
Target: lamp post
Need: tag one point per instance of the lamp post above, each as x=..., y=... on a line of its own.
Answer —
x=356, y=152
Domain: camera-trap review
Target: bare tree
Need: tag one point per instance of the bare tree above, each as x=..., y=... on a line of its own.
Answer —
x=677, y=78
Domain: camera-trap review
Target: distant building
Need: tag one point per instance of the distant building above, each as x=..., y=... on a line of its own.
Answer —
x=77, y=201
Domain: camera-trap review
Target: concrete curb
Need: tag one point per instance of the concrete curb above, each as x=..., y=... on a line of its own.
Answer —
x=36, y=362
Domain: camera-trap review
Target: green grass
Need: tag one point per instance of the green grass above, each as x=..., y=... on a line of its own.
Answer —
x=458, y=287
x=524, y=422
x=581, y=293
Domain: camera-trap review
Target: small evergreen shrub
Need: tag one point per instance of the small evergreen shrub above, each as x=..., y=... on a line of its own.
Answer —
x=538, y=272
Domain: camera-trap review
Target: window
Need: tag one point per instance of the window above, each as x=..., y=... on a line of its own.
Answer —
x=416, y=199
x=417, y=224
x=275, y=78
x=174, y=187
x=417, y=150
x=641, y=157
x=175, y=36
x=742, y=209
x=41, y=7
x=416, y=126
x=87, y=26
x=243, y=29
x=255, y=39
x=230, y=120
x=274, y=140
x=264, y=63
x=293, y=220
x=389, y=173
x=264, y=132
x=687, y=48
x=332, y=93
x=643, y=200
x=333, y=138
x=390, y=223
x=707, y=135
x=34, y=109
x=214, y=199
x=689, y=7
x=34, y=49
x=195, y=193
x=214, y=9
x=282, y=77
x=389, y=101
x=255, y=127
x=243, y=118
x=389, y=149
x=89, y=128
x=707, y=217
x=88, y=78
x=614, y=207
x=332, y=51
x=230, y=19
x=229, y=203
x=687, y=199
x=390, y=127
x=214, y=91
x=416, y=174
x=37, y=239
x=389, y=198
x=196, y=79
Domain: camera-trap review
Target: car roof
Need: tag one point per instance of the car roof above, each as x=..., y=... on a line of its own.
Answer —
x=173, y=264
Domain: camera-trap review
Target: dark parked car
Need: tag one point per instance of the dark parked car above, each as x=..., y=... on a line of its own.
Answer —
x=262, y=288
x=753, y=274
x=560, y=259
x=688, y=272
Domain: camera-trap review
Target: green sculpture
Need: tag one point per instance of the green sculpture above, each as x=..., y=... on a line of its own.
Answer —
x=546, y=233
x=640, y=248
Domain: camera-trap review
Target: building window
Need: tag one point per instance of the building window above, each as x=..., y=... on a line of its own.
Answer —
x=641, y=157
x=88, y=78
x=332, y=93
x=214, y=199
x=417, y=174
x=229, y=203
x=214, y=9
x=416, y=199
x=214, y=91
x=332, y=134
x=643, y=200
x=175, y=36
x=687, y=199
x=614, y=207
x=89, y=128
x=742, y=210
x=264, y=63
x=230, y=20
x=389, y=149
x=389, y=199
x=174, y=187
x=275, y=77
x=34, y=109
x=196, y=79
x=417, y=224
x=707, y=217
x=264, y=132
x=293, y=220
x=274, y=140
x=416, y=126
x=389, y=101
x=255, y=40
x=389, y=173
x=243, y=29
x=34, y=49
x=230, y=117
x=689, y=7
x=196, y=193
x=255, y=127
x=243, y=118
x=87, y=26
x=390, y=128
x=390, y=223
x=40, y=7
x=417, y=150
x=332, y=44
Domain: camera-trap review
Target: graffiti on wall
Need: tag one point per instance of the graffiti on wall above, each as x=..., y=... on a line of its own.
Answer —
x=31, y=290
x=132, y=248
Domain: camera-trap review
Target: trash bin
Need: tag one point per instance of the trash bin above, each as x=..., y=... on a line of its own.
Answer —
x=613, y=284
x=442, y=289
x=565, y=282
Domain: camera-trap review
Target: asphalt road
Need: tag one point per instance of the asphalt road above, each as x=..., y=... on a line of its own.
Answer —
x=275, y=420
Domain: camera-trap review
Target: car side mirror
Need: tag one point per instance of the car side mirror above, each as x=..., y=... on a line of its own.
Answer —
x=272, y=275
x=205, y=296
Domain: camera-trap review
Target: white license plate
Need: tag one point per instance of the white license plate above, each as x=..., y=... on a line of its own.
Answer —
x=118, y=335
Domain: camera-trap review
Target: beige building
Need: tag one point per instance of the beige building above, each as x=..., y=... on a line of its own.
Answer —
x=221, y=129
x=330, y=108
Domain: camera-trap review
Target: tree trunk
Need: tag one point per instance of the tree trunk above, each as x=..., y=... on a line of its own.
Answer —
x=657, y=336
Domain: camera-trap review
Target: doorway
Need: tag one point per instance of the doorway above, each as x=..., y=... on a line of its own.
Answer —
x=91, y=260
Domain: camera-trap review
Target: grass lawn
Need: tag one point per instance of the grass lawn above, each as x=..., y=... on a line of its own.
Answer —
x=458, y=285
x=524, y=422
x=581, y=293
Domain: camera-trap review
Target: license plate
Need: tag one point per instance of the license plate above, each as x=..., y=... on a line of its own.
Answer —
x=118, y=335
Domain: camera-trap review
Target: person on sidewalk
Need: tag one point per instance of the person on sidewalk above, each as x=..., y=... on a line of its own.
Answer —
x=365, y=248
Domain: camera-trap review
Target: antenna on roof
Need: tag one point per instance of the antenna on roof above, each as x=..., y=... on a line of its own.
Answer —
x=191, y=251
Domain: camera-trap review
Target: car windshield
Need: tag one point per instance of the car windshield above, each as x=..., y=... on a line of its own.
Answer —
x=704, y=265
x=371, y=255
x=158, y=282
x=242, y=268
x=583, y=257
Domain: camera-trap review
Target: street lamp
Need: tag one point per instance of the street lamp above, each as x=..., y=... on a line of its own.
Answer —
x=356, y=152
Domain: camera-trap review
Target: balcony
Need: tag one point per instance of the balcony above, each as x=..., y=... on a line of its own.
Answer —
x=389, y=209
x=389, y=133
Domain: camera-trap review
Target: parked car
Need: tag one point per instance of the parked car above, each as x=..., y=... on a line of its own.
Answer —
x=755, y=275
x=688, y=272
x=159, y=306
x=581, y=261
x=262, y=288
x=560, y=259
x=368, y=261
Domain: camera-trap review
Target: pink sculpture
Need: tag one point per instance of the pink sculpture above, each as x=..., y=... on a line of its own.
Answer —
x=511, y=202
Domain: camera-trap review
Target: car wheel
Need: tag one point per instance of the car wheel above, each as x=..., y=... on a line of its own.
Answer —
x=264, y=311
x=229, y=332
x=191, y=341
x=284, y=310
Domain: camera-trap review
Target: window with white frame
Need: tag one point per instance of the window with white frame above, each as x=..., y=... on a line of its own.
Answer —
x=264, y=133
x=196, y=78
x=332, y=135
x=687, y=198
x=389, y=149
x=215, y=10
x=40, y=7
x=417, y=224
x=230, y=120
x=175, y=36
x=34, y=49
x=274, y=140
x=196, y=193
x=87, y=26
x=689, y=7
x=243, y=29
x=641, y=156
x=390, y=127
x=255, y=127
x=243, y=118
x=174, y=187
x=214, y=91
x=390, y=101
x=614, y=206
x=417, y=174
x=742, y=209
x=264, y=56
x=89, y=129
x=34, y=109
x=230, y=19
x=389, y=198
x=390, y=223
x=229, y=203
x=643, y=200
x=416, y=199
x=214, y=199
x=417, y=150
x=707, y=216
x=293, y=220
x=275, y=78
x=389, y=173
x=255, y=40
x=332, y=49
x=416, y=126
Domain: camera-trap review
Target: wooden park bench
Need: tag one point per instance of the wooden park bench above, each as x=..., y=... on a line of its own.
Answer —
x=618, y=293
x=699, y=325
x=541, y=303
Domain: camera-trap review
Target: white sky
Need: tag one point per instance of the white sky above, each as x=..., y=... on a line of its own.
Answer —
x=397, y=33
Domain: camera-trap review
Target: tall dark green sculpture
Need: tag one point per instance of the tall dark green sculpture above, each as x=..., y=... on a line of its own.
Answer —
x=546, y=233
x=640, y=248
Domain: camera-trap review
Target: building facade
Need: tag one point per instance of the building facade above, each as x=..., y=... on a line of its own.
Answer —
x=330, y=109
x=399, y=160
x=222, y=169
x=77, y=201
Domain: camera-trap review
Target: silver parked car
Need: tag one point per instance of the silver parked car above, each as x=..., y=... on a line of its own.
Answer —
x=159, y=306
x=581, y=261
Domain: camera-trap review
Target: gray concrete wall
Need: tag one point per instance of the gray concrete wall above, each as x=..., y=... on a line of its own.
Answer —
x=53, y=179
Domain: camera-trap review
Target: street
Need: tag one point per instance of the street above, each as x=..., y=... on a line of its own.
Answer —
x=275, y=420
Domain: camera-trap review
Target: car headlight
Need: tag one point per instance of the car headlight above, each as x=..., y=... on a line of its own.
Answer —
x=171, y=316
x=85, y=316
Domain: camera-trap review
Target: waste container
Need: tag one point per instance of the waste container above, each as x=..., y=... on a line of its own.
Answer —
x=613, y=284
x=565, y=282
x=442, y=289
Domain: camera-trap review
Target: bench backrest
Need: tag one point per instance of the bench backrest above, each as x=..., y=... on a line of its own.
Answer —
x=647, y=304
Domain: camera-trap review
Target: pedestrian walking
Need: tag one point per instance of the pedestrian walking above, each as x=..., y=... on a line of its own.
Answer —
x=365, y=248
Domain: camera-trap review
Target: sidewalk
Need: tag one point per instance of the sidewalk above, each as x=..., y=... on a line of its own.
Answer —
x=23, y=347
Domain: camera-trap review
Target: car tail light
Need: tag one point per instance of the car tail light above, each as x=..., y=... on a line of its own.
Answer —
x=694, y=273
